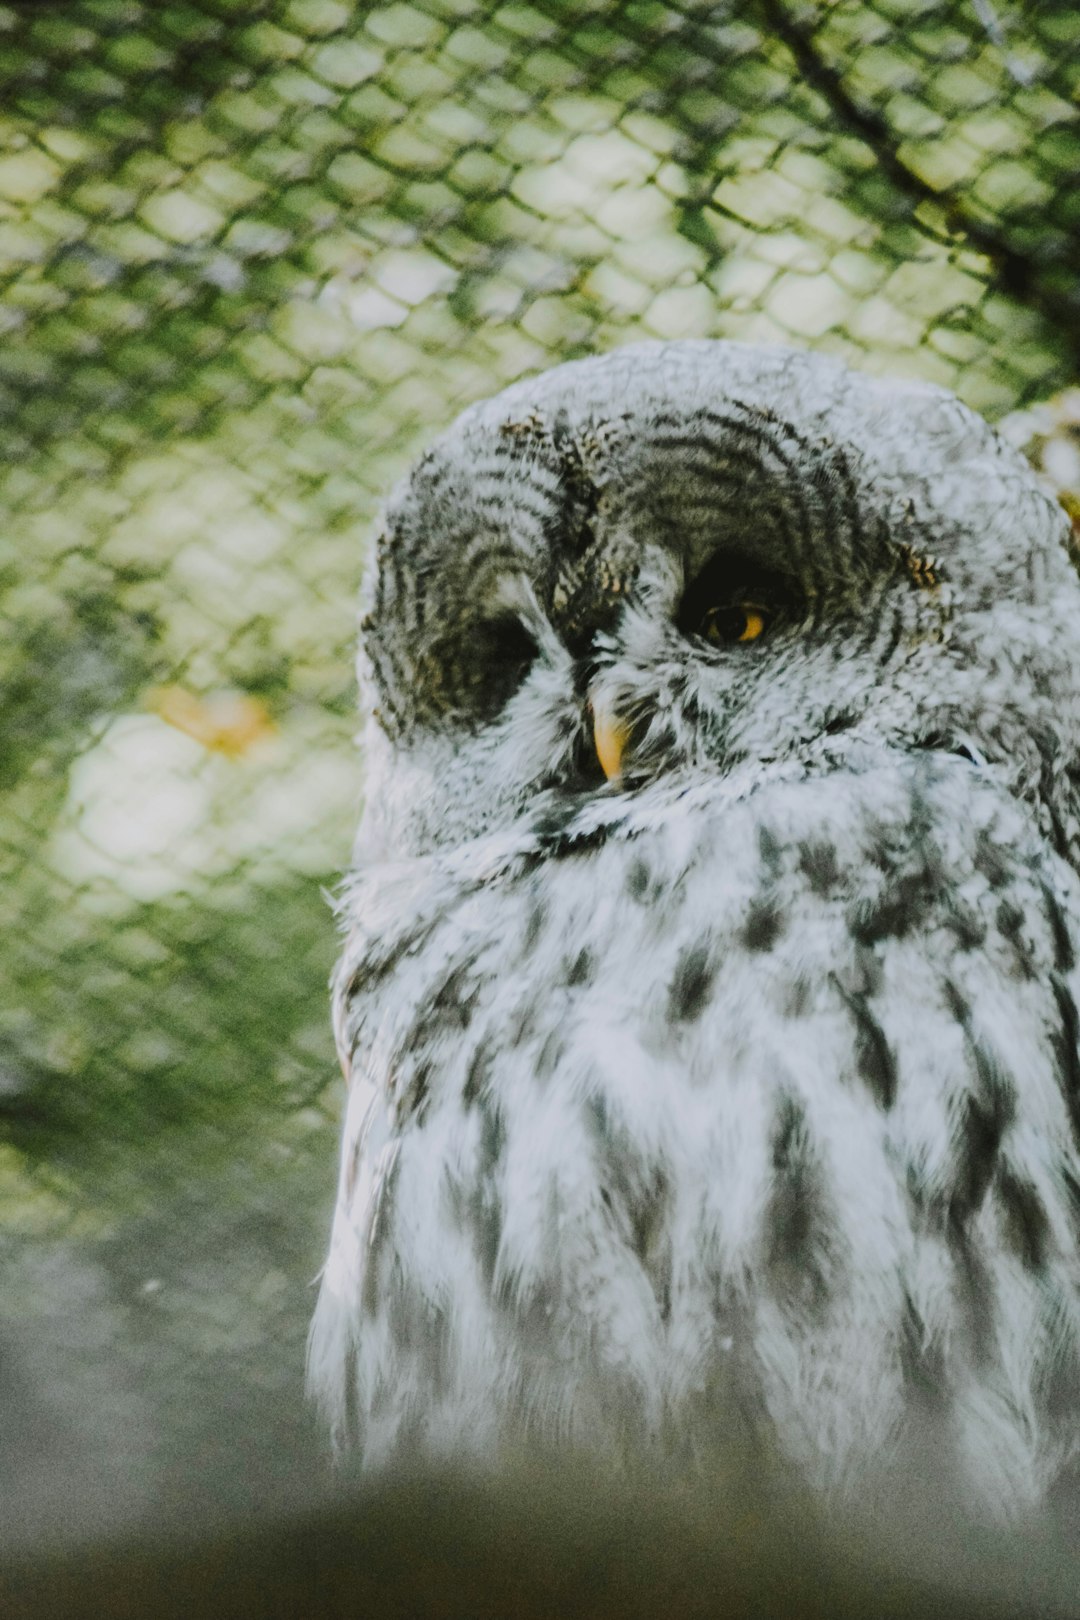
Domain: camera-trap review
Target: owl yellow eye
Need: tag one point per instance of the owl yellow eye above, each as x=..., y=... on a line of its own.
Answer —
x=734, y=599
x=754, y=625
x=742, y=621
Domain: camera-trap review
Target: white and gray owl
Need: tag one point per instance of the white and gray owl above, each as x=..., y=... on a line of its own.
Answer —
x=709, y=995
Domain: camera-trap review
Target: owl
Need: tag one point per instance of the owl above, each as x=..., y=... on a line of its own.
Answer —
x=708, y=998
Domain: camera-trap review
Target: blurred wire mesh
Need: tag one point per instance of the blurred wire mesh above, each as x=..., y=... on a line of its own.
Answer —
x=251, y=256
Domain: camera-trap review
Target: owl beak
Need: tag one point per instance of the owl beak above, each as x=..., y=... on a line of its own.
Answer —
x=610, y=736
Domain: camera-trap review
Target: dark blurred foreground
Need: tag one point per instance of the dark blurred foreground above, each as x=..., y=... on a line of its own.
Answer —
x=541, y=1545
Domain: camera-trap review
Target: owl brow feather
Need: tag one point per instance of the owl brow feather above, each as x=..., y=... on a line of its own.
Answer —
x=925, y=572
x=589, y=584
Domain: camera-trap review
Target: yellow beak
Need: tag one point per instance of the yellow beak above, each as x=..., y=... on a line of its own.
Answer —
x=610, y=735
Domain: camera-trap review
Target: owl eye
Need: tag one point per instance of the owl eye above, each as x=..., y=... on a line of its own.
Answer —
x=501, y=653
x=739, y=621
x=736, y=599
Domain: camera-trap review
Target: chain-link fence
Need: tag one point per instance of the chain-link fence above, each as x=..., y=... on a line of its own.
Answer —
x=251, y=256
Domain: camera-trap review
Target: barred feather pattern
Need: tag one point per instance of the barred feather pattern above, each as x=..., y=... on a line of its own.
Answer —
x=741, y=1091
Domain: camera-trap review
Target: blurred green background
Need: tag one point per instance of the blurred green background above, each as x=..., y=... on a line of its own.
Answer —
x=252, y=255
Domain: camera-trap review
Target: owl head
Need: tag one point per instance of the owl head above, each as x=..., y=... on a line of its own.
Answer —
x=708, y=560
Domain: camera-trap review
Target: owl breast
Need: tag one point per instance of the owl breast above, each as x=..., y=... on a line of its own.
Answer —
x=754, y=1106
